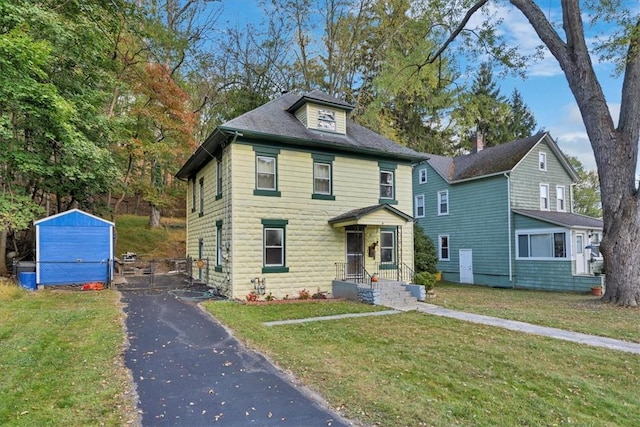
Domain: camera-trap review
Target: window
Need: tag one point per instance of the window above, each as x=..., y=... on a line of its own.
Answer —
x=327, y=120
x=443, y=202
x=322, y=177
x=544, y=197
x=219, y=179
x=443, y=248
x=419, y=206
x=560, y=204
x=274, y=248
x=193, y=195
x=219, y=246
x=387, y=245
x=542, y=245
x=387, y=183
x=422, y=176
x=542, y=160
x=201, y=197
x=266, y=171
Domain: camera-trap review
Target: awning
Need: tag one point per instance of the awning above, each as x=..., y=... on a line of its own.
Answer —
x=379, y=215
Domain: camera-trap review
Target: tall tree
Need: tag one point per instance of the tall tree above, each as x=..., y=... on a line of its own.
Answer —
x=586, y=194
x=522, y=122
x=615, y=148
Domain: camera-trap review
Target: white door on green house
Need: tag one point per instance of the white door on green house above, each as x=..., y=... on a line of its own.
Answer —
x=355, y=250
x=466, y=266
x=580, y=256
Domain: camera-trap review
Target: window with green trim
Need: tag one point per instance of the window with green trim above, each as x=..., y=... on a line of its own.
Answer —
x=323, y=177
x=218, y=179
x=274, y=246
x=201, y=197
x=193, y=195
x=266, y=171
x=388, y=245
x=219, y=246
x=387, y=183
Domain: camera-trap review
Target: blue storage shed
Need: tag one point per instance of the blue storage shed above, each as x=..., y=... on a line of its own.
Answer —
x=73, y=247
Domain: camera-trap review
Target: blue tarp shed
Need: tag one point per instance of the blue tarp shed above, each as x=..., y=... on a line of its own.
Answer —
x=73, y=247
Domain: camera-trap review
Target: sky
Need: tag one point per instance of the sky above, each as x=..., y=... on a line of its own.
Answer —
x=545, y=90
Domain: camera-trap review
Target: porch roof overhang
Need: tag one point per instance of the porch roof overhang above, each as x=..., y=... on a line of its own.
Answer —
x=379, y=215
x=563, y=219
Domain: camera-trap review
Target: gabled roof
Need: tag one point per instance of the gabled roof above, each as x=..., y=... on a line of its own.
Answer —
x=274, y=122
x=74, y=217
x=494, y=160
x=563, y=219
x=359, y=213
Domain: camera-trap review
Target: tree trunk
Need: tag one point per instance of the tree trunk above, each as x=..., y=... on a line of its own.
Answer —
x=154, y=216
x=3, y=253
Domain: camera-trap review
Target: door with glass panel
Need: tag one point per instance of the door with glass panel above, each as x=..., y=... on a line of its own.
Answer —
x=355, y=254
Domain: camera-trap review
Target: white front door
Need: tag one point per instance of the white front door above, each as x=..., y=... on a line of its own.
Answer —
x=466, y=266
x=580, y=256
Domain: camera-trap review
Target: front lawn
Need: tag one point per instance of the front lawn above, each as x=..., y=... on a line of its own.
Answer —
x=575, y=312
x=413, y=369
x=61, y=359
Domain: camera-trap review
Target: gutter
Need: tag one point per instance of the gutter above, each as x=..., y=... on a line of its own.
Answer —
x=506, y=175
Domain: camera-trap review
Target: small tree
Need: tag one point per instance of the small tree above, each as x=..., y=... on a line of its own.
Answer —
x=424, y=251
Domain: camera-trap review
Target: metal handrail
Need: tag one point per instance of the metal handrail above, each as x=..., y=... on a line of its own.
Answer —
x=361, y=274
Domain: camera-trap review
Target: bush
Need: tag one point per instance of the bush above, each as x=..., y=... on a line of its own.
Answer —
x=304, y=294
x=424, y=251
x=426, y=279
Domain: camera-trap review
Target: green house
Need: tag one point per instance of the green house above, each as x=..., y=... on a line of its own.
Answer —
x=502, y=216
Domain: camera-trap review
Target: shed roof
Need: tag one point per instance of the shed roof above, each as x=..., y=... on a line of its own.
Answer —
x=275, y=122
x=563, y=219
x=74, y=217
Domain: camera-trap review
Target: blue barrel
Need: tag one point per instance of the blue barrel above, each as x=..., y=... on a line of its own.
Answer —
x=27, y=280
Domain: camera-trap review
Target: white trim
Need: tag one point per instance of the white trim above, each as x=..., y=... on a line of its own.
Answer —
x=440, y=193
x=440, y=236
x=417, y=205
x=546, y=231
x=420, y=172
x=71, y=211
x=564, y=198
x=548, y=207
x=542, y=161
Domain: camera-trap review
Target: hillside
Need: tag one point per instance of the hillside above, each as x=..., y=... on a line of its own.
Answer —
x=134, y=235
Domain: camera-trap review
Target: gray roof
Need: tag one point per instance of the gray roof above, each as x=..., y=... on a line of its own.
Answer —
x=563, y=219
x=275, y=122
x=360, y=212
x=493, y=160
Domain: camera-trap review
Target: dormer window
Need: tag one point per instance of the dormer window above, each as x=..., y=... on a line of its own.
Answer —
x=327, y=120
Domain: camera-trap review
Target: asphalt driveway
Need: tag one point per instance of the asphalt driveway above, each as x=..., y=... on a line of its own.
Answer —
x=190, y=371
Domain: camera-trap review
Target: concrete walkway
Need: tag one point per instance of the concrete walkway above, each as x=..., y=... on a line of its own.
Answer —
x=512, y=325
x=528, y=328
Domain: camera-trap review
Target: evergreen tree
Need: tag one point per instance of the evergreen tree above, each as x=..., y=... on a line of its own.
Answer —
x=522, y=122
x=425, y=255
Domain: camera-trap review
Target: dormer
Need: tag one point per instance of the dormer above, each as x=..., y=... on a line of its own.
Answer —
x=319, y=111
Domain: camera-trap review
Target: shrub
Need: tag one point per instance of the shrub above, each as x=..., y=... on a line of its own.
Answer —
x=425, y=251
x=304, y=294
x=426, y=279
x=269, y=297
x=319, y=295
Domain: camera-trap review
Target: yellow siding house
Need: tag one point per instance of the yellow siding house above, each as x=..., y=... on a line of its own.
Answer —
x=293, y=195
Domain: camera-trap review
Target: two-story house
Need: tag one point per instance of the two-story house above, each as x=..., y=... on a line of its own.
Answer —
x=292, y=195
x=502, y=216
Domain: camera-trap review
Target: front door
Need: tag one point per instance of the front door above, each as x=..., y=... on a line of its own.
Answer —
x=580, y=257
x=355, y=253
x=466, y=266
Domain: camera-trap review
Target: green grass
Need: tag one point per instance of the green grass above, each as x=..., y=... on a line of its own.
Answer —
x=412, y=369
x=61, y=359
x=575, y=312
x=134, y=235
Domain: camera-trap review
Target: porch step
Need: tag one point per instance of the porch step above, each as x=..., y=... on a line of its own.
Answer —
x=393, y=294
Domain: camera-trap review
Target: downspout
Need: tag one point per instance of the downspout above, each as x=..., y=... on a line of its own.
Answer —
x=228, y=207
x=506, y=175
